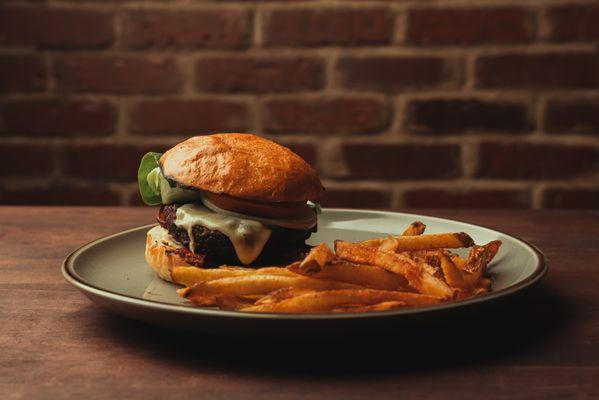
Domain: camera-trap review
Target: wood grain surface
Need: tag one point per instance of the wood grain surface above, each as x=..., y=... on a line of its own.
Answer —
x=56, y=344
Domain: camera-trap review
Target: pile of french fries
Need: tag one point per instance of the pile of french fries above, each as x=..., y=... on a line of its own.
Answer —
x=410, y=270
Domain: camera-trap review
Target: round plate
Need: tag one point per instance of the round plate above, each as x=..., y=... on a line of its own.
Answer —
x=113, y=273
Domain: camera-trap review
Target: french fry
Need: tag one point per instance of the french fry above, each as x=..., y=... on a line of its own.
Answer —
x=281, y=294
x=198, y=298
x=454, y=276
x=477, y=260
x=467, y=280
x=398, y=244
x=259, y=284
x=233, y=303
x=457, y=260
x=389, y=244
x=416, y=275
x=326, y=301
x=492, y=249
x=316, y=260
x=384, y=306
x=429, y=242
x=416, y=228
x=363, y=275
x=189, y=276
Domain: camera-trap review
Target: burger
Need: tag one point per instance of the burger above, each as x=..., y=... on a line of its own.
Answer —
x=228, y=199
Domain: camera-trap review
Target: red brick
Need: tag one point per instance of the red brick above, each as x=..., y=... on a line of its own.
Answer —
x=106, y=162
x=356, y=198
x=457, y=116
x=402, y=161
x=329, y=26
x=474, y=198
x=26, y=160
x=543, y=70
x=117, y=74
x=58, y=117
x=214, y=28
x=577, y=117
x=55, y=27
x=259, y=74
x=575, y=22
x=325, y=116
x=571, y=198
x=61, y=195
x=22, y=74
x=188, y=117
x=391, y=74
x=535, y=161
x=468, y=26
x=306, y=151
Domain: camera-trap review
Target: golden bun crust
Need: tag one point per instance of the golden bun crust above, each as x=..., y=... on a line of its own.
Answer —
x=244, y=166
x=159, y=252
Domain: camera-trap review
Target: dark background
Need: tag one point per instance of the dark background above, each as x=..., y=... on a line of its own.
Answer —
x=396, y=103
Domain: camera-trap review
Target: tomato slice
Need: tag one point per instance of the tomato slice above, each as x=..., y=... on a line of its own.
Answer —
x=258, y=209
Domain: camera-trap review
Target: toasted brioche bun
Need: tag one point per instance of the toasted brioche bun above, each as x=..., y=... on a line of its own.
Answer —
x=244, y=166
x=159, y=252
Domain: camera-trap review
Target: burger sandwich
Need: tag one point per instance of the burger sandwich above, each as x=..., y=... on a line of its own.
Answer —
x=234, y=199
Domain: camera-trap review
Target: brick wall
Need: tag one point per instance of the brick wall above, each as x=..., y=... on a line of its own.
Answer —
x=490, y=103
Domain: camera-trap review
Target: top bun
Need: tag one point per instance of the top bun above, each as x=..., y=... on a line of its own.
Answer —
x=244, y=166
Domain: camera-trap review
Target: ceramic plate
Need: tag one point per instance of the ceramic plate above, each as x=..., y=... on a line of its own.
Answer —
x=112, y=272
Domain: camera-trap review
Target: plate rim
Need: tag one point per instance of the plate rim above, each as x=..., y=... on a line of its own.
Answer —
x=69, y=273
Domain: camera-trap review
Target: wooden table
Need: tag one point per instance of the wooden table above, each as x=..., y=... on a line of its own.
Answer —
x=54, y=343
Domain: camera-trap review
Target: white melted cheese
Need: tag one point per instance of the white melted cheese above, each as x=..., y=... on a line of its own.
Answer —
x=248, y=236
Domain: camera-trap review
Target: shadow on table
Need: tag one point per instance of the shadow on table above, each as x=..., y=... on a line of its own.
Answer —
x=509, y=330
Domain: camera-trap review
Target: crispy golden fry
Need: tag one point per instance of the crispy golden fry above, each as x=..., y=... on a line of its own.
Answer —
x=363, y=275
x=416, y=228
x=422, y=242
x=454, y=276
x=200, y=300
x=384, y=306
x=326, y=301
x=282, y=294
x=477, y=260
x=492, y=249
x=274, y=271
x=469, y=280
x=316, y=260
x=259, y=284
x=233, y=303
x=418, y=277
x=457, y=260
x=428, y=242
x=428, y=259
x=388, y=244
x=189, y=276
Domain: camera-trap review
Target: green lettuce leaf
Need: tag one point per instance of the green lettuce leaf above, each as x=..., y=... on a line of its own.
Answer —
x=315, y=206
x=150, y=195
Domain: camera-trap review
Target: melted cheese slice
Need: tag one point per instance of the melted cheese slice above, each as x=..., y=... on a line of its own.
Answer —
x=248, y=236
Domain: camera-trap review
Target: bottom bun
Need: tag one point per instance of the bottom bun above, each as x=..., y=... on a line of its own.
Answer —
x=161, y=252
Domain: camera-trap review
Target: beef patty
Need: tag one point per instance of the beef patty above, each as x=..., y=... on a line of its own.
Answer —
x=284, y=245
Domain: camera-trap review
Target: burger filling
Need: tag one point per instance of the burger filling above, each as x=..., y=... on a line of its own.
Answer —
x=227, y=239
